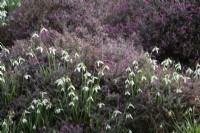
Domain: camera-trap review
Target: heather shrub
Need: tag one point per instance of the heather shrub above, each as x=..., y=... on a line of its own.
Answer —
x=169, y=25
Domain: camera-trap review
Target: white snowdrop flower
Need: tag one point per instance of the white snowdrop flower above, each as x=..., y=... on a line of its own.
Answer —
x=34, y=127
x=176, y=76
x=27, y=76
x=75, y=98
x=189, y=71
x=27, y=112
x=129, y=131
x=106, y=68
x=97, y=88
x=38, y=111
x=24, y=120
x=129, y=116
x=178, y=66
x=42, y=94
x=166, y=62
x=147, y=55
x=143, y=78
x=32, y=107
x=135, y=63
x=178, y=90
x=108, y=127
x=40, y=49
x=71, y=87
x=101, y=73
x=80, y=66
x=90, y=99
x=2, y=80
x=90, y=81
x=128, y=69
x=15, y=63
x=190, y=109
x=132, y=83
x=71, y=94
x=35, y=35
x=48, y=106
x=185, y=79
x=99, y=62
x=43, y=30
x=87, y=74
x=77, y=55
x=139, y=91
x=4, y=124
x=154, y=64
x=116, y=112
x=71, y=104
x=66, y=58
x=2, y=67
x=30, y=54
x=1, y=73
x=127, y=81
x=58, y=110
x=85, y=88
x=155, y=49
x=52, y=50
x=45, y=101
x=127, y=93
x=130, y=105
x=167, y=79
x=3, y=4
x=3, y=14
x=131, y=73
x=20, y=60
x=139, y=71
x=158, y=94
x=100, y=105
x=59, y=82
x=64, y=53
x=153, y=78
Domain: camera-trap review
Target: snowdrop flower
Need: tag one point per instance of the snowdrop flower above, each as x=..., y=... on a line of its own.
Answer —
x=1, y=73
x=166, y=79
x=75, y=98
x=139, y=90
x=178, y=90
x=52, y=50
x=71, y=87
x=24, y=120
x=90, y=99
x=3, y=4
x=48, y=106
x=106, y=68
x=43, y=30
x=135, y=63
x=178, y=66
x=34, y=127
x=2, y=67
x=58, y=110
x=155, y=49
x=45, y=101
x=185, y=79
x=129, y=131
x=100, y=105
x=127, y=93
x=158, y=94
x=2, y=80
x=85, y=88
x=97, y=88
x=128, y=69
x=108, y=127
x=15, y=63
x=143, y=78
x=154, y=78
x=131, y=73
x=130, y=106
x=32, y=107
x=189, y=71
x=77, y=55
x=80, y=66
x=38, y=111
x=40, y=49
x=116, y=112
x=60, y=82
x=132, y=83
x=71, y=94
x=129, y=116
x=99, y=63
x=166, y=62
x=27, y=76
x=21, y=60
x=30, y=54
x=87, y=74
x=71, y=104
x=35, y=35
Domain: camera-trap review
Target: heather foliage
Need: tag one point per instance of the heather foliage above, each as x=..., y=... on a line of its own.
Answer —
x=91, y=66
x=172, y=26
